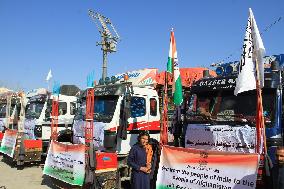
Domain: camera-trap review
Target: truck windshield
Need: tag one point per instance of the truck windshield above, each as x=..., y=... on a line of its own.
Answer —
x=3, y=110
x=104, y=109
x=33, y=109
x=224, y=106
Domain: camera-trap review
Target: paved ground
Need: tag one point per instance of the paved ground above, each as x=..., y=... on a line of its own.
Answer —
x=29, y=178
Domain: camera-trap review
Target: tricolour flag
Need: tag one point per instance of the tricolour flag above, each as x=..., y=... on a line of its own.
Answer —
x=172, y=67
x=49, y=76
x=252, y=56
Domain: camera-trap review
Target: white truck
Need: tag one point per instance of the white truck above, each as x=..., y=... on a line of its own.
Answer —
x=12, y=105
x=122, y=108
x=37, y=123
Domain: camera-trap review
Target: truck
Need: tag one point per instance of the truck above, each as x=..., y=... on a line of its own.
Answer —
x=34, y=141
x=124, y=105
x=12, y=105
x=227, y=122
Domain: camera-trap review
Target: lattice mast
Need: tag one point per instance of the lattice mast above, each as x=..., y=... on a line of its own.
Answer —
x=109, y=39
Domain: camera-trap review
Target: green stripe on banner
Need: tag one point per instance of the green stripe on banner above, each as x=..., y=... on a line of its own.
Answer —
x=6, y=150
x=65, y=176
x=163, y=187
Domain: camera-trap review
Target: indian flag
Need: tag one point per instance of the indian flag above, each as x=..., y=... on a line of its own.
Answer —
x=172, y=67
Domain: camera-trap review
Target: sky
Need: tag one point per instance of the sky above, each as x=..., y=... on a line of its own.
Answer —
x=38, y=35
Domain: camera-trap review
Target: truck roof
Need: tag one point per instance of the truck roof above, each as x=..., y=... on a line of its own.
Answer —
x=271, y=80
x=188, y=76
x=150, y=76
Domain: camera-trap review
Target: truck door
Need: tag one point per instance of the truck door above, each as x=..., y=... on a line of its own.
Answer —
x=138, y=113
x=154, y=114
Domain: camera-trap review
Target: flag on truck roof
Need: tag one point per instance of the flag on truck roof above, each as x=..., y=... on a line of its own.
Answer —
x=49, y=75
x=252, y=56
x=251, y=76
x=173, y=68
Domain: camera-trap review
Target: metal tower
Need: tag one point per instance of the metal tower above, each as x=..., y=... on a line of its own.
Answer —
x=109, y=39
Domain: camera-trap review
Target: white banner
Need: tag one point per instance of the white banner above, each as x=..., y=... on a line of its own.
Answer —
x=79, y=133
x=221, y=138
x=140, y=77
x=9, y=142
x=66, y=163
x=186, y=168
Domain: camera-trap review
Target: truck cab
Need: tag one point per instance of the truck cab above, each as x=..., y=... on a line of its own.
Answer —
x=109, y=111
x=227, y=122
x=38, y=116
x=12, y=106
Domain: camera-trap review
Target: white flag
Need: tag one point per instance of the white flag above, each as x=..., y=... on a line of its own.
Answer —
x=253, y=52
x=259, y=50
x=49, y=76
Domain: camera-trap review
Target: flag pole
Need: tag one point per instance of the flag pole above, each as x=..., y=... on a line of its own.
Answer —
x=259, y=113
x=164, y=130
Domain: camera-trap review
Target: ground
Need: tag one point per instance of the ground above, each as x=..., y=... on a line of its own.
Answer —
x=12, y=178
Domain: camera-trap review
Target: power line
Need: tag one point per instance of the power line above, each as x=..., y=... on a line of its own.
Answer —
x=266, y=29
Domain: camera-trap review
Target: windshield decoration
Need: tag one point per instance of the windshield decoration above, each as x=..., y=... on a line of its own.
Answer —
x=2, y=124
x=29, y=127
x=79, y=133
x=221, y=138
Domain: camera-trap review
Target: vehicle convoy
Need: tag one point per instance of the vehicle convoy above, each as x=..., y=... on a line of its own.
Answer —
x=12, y=106
x=35, y=138
x=122, y=108
x=227, y=122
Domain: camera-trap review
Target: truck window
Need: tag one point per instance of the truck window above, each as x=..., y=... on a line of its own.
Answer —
x=62, y=108
x=153, y=107
x=104, y=108
x=72, y=108
x=137, y=106
x=2, y=110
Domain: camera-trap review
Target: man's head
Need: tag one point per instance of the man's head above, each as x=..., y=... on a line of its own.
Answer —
x=143, y=138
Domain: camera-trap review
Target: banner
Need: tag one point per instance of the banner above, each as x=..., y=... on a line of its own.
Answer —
x=221, y=138
x=140, y=77
x=98, y=133
x=193, y=169
x=66, y=163
x=9, y=142
x=29, y=127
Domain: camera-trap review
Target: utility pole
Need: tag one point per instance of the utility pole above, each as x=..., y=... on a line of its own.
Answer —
x=109, y=41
